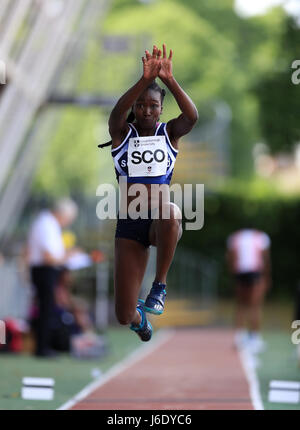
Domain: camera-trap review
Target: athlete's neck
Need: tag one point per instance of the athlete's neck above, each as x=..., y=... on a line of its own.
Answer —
x=146, y=131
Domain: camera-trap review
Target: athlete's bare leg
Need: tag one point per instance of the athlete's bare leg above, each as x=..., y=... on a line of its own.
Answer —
x=164, y=234
x=131, y=259
x=242, y=306
x=255, y=305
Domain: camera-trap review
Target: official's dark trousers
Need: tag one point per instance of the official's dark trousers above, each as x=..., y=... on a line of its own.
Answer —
x=44, y=279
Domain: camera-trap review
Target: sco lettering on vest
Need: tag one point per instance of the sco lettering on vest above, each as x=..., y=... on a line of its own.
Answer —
x=147, y=156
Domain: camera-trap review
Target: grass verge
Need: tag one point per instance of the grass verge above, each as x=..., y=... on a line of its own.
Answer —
x=71, y=375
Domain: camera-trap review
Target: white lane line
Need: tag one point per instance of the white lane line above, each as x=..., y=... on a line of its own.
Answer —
x=248, y=364
x=138, y=354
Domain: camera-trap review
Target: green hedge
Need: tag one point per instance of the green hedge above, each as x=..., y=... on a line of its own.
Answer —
x=276, y=215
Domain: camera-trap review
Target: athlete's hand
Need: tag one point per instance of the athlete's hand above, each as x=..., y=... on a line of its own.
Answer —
x=165, y=72
x=152, y=63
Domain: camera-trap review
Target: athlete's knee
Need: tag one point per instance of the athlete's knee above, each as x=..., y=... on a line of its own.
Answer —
x=176, y=212
x=172, y=228
x=125, y=317
x=175, y=225
x=171, y=211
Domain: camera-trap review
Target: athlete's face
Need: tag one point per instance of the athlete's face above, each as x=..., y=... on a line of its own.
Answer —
x=147, y=109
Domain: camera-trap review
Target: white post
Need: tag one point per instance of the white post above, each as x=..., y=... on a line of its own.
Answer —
x=102, y=302
x=2, y=333
x=2, y=73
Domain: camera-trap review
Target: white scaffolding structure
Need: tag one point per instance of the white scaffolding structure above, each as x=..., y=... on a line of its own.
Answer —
x=40, y=41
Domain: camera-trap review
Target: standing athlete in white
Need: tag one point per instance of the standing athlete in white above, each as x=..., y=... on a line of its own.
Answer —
x=248, y=259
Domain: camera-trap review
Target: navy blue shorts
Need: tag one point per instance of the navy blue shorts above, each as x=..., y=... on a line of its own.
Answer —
x=247, y=279
x=135, y=229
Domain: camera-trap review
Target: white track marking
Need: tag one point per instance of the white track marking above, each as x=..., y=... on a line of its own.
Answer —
x=248, y=363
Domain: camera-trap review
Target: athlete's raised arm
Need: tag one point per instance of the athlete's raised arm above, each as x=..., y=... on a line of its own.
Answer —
x=181, y=125
x=117, y=120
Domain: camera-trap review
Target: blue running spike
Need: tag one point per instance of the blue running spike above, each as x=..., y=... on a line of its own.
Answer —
x=144, y=330
x=155, y=301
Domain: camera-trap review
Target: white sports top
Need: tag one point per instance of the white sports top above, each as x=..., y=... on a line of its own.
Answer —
x=45, y=235
x=248, y=245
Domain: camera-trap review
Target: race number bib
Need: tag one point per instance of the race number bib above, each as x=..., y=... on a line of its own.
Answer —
x=147, y=156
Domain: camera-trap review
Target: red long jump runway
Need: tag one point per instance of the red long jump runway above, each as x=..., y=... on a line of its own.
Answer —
x=191, y=369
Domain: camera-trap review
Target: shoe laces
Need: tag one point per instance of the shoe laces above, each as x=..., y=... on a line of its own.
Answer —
x=159, y=288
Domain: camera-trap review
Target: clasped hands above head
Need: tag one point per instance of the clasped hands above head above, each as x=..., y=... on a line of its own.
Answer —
x=158, y=64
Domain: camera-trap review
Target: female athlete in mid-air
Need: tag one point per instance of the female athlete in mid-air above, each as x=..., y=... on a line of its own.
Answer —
x=144, y=151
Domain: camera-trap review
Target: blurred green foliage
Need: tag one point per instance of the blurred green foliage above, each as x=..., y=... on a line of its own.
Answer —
x=251, y=207
x=73, y=164
x=279, y=97
x=217, y=56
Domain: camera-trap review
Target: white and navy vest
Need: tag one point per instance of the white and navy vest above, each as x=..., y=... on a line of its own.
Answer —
x=147, y=157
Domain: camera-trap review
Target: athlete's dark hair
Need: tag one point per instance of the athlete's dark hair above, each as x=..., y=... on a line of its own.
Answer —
x=153, y=86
